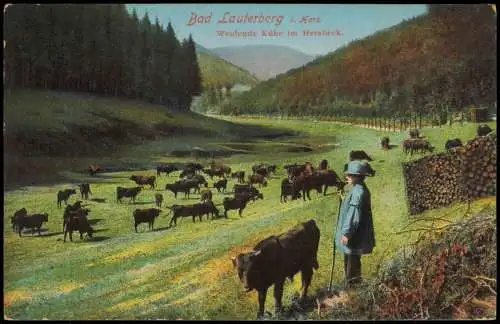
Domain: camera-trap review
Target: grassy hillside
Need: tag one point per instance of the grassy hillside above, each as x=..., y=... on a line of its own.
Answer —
x=444, y=58
x=217, y=72
x=186, y=272
x=79, y=129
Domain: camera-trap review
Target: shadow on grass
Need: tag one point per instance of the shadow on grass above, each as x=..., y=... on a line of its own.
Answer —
x=98, y=200
x=164, y=228
x=97, y=239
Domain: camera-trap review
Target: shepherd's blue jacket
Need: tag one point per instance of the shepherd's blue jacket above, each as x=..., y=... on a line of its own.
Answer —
x=356, y=222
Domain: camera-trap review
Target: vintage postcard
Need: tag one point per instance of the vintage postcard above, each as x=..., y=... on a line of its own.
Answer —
x=249, y=161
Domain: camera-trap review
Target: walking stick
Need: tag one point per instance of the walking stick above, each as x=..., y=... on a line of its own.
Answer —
x=334, y=243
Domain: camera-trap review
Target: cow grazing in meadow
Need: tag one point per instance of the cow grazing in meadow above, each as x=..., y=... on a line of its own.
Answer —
x=63, y=195
x=184, y=186
x=206, y=195
x=240, y=175
x=236, y=203
x=144, y=180
x=287, y=190
x=211, y=173
x=241, y=189
x=18, y=214
x=417, y=145
x=192, y=210
x=85, y=190
x=199, y=179
x=166, y=168
x=77, y=220
x=279, y=257
x=385, y=143
x=208, y=207
x=127, y=192
x=257, y=178
x=34, y=222
x=158, y=199
x=145, y=216
x=221, y=185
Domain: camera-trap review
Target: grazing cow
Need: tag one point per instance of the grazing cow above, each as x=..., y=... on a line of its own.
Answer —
x=279, y=257
x=206, y=195
x=184, y=211
x=195, y=166
x=358, y=156
x=483, y=130
x=414, y=133
x=240, y=175
x=286, y=190
x=236, y=203
x=385, y=143
x=93, y=169
x=166, y=168
x=221, y=185
x=296, y=170
x=323, y=165
x=453, y=143
x=225, y=169
x=187, y=172
x=214, y=172
x=269, y=167
x=184, y=186
x=158, y=199
x=329, y=178
x=208, y=207
x=200, y=179
x=18, y=214
x=305, y=183
x=145, y=216
x=127, y=192
x=257, y=178
x=247, y=189
x=63, y=195
x=77, y=221
x=144, y=180
x=34, y=222
x=263, y=172
x=85, y=190
x=416, y=145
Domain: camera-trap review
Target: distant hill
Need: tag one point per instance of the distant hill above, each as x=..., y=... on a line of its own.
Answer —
x=263, y=61
x=442, y=61
x=217, y=72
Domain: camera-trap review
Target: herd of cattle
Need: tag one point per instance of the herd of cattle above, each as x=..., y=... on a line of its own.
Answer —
x=300, y=180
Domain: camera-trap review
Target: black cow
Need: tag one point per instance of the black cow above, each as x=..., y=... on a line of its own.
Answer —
x=453, y=143
x=200, y=179
x=359, y=156
x=127, y=192
x=269, y=167
x=77, y=221
x=287, y=190
x=34, y=222
x=247, y=188
x=184, y=186
x=18, y=214
x=263, y=172
x=240, y=175
x=63, y=195
x=158, y=199
x=279, y=257
x=416, y=145
x=214, y=172
x=329, y=178
x=144, y=180
x=385, y=143
x=208, y=207
x=145, y=216
x=166, y=168
x=85, y=190
x=305, y=183
x=239, y=203
x=257, y=178
x=483, y=130
x=206, y=195
x=195, y=166
x=221, y=185
x=185, y=211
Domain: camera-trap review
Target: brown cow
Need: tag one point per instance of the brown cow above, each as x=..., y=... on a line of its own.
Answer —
x=257, y=178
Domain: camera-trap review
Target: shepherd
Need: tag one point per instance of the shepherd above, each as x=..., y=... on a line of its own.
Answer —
x=355, y=235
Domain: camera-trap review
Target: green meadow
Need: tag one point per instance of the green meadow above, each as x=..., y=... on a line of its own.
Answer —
x=185, y=272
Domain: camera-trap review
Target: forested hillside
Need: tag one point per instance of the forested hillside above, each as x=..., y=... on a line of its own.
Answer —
x=99, y=49
x=443, y=60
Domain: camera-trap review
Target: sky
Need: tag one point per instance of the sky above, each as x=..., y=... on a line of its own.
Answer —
x=343, y=22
